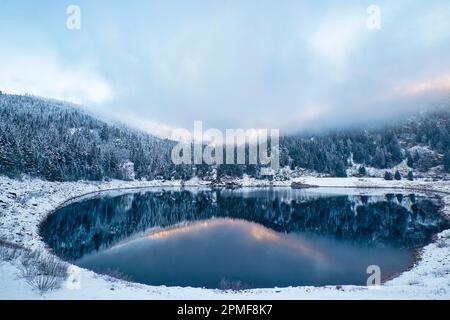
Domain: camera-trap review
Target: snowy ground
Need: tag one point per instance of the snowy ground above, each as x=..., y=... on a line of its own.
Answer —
x=24, y=204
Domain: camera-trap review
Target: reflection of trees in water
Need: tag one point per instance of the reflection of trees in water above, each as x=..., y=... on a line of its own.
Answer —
x=86, y=226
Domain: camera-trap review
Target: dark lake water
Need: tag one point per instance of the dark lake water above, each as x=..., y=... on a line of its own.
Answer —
x=247, y=238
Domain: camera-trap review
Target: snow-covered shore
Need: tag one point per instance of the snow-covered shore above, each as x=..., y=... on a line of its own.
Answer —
x=24, y=204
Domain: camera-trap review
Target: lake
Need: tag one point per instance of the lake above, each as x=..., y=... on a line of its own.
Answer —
x=245, y=238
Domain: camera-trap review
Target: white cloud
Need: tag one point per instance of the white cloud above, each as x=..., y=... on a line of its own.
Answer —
x=43, y=73
x=336, y=37
x=156, y=128
x=439, y=84
x=433, y=26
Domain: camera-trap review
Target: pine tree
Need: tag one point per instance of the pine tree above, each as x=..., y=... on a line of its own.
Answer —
x=388, y=175
x=410, y=161
x=340, y=170
x=397, y=175
x=362, y=170
x=447, y=161
x=104, y=133
x=29, y=160
x=380, y=158
x=410, y=176
x=9, y=157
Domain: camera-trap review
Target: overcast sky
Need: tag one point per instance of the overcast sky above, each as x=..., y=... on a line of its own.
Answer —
x=291, y=65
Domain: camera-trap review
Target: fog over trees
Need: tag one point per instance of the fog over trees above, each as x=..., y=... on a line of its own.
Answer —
x=58, y=141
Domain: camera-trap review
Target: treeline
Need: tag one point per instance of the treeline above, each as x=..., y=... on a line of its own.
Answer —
x=59, y=142
x=334, y=152
x=423, y=140
x=56, y=141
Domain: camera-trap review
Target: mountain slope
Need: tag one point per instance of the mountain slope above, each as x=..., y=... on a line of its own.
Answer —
x=422, y=140
x=57, y=141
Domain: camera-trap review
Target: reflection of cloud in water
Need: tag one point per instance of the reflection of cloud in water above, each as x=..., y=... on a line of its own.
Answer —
x=256, y=231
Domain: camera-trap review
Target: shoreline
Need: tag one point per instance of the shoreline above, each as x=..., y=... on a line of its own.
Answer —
x=59, y=194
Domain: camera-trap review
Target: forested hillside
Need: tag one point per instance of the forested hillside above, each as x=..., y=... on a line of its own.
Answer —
x=423, y=140
x=58, y=141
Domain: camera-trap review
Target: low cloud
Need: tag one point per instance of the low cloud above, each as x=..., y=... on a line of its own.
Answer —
x=292, y=65
x=429, y=86
x=42, y=73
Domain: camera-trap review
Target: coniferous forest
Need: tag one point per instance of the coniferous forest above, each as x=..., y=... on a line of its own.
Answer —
x=59, y=141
